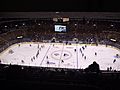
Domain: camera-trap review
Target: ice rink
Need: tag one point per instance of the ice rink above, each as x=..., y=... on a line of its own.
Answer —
x=60, y=55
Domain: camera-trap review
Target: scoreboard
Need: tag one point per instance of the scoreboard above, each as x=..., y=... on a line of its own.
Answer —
x=60, y=28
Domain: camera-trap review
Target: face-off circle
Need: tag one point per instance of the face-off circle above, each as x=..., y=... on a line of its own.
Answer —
x=61, y=55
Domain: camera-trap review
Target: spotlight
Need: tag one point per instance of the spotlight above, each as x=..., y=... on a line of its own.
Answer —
x=5, y=26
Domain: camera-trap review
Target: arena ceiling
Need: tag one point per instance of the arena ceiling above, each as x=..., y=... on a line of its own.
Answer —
x=101, y=15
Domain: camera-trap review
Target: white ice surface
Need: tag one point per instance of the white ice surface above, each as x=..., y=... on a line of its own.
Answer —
x=72, y=59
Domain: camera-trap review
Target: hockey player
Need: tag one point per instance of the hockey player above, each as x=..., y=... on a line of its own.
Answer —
x=37, y=55
x=83, y=48
x=75, y=50
x=80, y=50
x=95, y=53
x=110, y=68
x=47, y=62
x=62, y=61
x=31, y=59
x=22, y=61
x=82, y=54
x=47, y=57
x=34, y=57
x=117, y=55
x=114, y=60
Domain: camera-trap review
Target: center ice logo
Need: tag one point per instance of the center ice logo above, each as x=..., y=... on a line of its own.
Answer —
x=61, y=55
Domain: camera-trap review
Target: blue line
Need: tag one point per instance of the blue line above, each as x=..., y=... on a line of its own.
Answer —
x=45, y=55
x=62, y=51
x=77, y=54
x=61, y=54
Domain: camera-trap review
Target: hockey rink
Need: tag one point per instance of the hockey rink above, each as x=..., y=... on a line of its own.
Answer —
x=60, y=55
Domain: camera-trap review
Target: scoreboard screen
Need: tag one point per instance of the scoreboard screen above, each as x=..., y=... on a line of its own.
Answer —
x=60, y=28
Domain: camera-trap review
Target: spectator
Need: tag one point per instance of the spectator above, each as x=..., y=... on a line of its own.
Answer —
x=94, y=67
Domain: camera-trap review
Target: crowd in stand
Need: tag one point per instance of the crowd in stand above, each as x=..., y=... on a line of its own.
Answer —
x=61, y=76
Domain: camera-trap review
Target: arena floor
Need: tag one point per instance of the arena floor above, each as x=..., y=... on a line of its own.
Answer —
x=60, y=55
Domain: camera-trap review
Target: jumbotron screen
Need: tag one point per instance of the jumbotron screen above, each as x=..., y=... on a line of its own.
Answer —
x=60, y=28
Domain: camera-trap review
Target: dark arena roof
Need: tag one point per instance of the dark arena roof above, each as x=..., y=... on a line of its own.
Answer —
x=89, y=15
x=60, y=5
